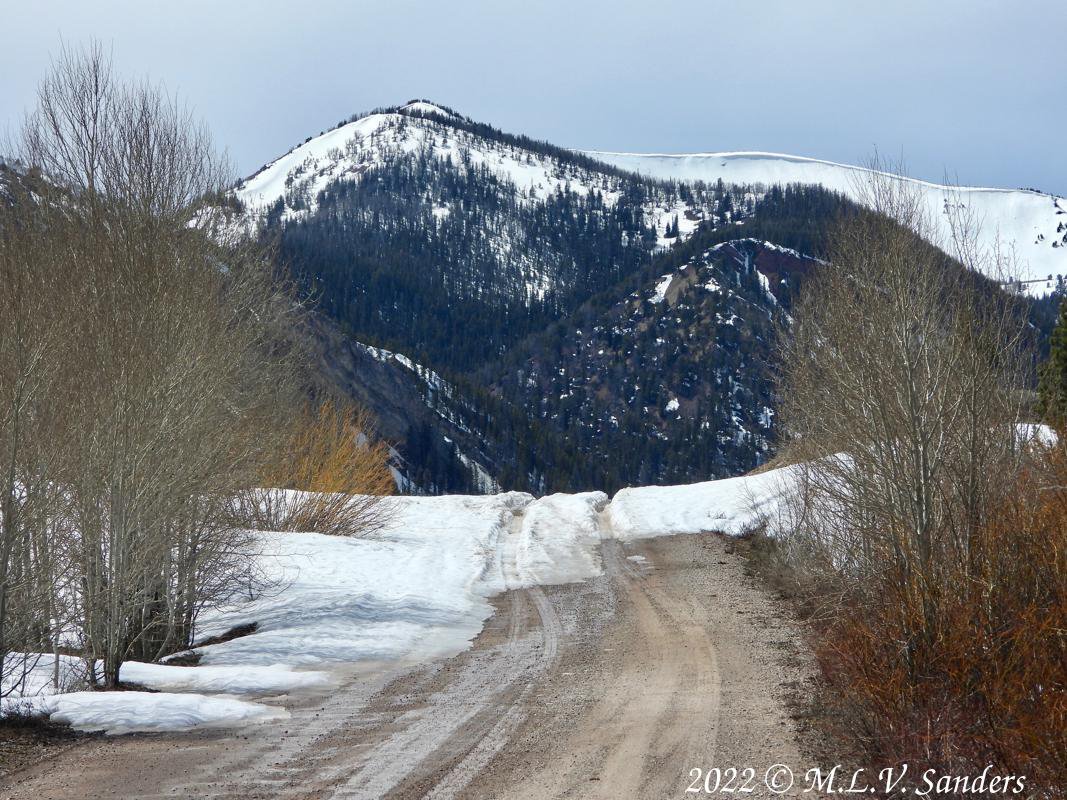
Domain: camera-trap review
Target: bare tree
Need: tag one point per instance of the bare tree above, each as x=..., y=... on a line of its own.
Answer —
x=900, y=387
x=171, y=375
x=31, y=360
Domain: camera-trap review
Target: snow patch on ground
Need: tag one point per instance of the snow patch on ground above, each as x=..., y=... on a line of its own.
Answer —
x=661, y=289
x=131, y=712
x=1028, y=433
x=180, y=705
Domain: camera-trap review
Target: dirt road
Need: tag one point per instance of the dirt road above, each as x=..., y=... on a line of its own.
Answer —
x=615, y=688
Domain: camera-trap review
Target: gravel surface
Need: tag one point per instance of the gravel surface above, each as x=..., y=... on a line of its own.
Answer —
x=618, y=687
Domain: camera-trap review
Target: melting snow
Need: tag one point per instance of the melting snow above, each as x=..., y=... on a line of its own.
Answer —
x=661, y=289
x=732, y=506
x=130, y=712
x=418, y=590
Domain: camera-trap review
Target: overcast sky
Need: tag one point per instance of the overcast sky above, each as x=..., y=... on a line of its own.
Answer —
x=977, y=89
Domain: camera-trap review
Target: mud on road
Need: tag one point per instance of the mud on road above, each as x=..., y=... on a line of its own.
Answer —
x=617, y=687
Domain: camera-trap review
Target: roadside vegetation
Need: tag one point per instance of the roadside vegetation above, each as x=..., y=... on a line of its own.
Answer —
x=329, y=477
x=927, y=539
x=150, y=381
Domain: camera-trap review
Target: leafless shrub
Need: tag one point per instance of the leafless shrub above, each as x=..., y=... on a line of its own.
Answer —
x=901, y=397
x=900, y=392
x=331, y=477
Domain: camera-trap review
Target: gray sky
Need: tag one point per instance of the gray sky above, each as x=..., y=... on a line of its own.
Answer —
x=977, y=88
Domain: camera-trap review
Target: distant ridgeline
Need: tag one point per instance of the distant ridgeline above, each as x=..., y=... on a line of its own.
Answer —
x=584, y=327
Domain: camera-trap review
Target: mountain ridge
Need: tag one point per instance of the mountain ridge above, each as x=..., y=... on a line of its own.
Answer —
x=1033, y=222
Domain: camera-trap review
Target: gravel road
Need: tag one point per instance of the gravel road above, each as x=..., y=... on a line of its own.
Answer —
x=619, y=687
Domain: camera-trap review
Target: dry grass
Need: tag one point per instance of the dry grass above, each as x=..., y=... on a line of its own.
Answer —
x=783, y=458
x=332, y=477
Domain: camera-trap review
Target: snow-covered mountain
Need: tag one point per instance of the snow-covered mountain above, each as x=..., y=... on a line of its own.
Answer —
x=1033, y=222
x=353, y=149
x=526, y=316
x=449, y=240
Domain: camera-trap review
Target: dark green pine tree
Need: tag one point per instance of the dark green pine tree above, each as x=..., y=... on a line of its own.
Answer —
x=1052, y=387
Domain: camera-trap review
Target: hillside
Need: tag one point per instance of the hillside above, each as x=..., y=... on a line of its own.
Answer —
x=449, y=240
x=1033, y=222
x=415, y=408
x=521, y=316
x=671, y=381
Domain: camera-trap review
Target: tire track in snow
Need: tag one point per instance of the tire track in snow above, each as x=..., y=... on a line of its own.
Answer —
x=494, y=740
x=477, y=721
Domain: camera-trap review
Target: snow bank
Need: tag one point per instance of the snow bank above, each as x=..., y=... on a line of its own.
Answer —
x=229, y=679
x=418, y=587
x=33, y=675
x=129, y=712
x=732, y=506
x=558, y=541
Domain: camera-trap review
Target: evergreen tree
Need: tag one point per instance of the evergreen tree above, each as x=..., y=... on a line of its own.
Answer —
x=1052, y=388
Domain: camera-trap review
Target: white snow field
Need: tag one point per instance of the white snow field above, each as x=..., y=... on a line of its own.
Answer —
x=417, y=590
x=1033, y=222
